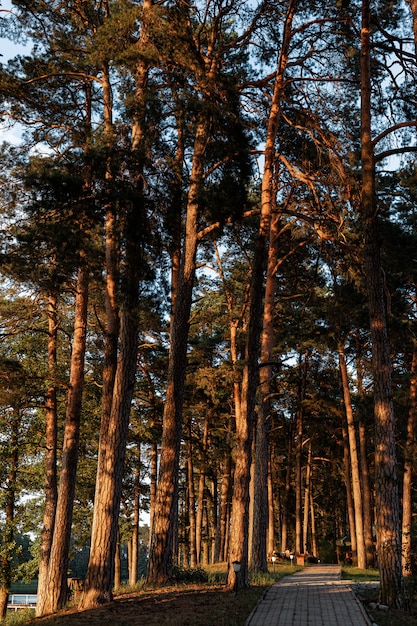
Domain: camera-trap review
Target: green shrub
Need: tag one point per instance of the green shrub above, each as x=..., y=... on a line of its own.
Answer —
x=189, y=575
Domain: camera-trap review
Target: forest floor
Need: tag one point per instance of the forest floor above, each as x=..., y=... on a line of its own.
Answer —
x=189, y=605
x=208, y=604
x=365, y=586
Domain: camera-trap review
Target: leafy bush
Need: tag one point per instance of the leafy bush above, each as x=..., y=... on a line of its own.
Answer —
x=189, y=575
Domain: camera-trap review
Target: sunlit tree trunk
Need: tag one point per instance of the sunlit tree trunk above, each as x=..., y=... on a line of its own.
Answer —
x=365, y=474
x=165, y=514
x=408, y=468
x=201, y=492
x=349, y=497
x=270, y=537
x=8, y=531
x=153, y=477
x=191, y=500
x=114, y=426
x=287, y=489
x=117, y=565
x=306, y=509
x=100, y=574
x=224, y=510
x=51, y=437
x=56, y=589
x=259, y=561
x=303, y=367
x=354, y=460
x=392, y=592
x=134, y=550
x=314, y=546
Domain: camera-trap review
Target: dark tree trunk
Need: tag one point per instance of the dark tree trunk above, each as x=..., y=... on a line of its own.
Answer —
x=392, y=590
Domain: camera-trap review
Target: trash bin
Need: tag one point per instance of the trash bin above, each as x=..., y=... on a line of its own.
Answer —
x=300, y=559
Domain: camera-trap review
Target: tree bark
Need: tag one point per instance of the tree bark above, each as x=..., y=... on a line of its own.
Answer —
x=224, y=513
x=99, y=580
x=134, y=552
x=306, y=511
x=245, y=425
x=354, y=461
x=201, y=491
x=392, y=592
x=51, y=438
x=56, y=590
x=270, y=542
x=9, y=514
x=287, y=489
x=409, y=451
x=191, y=500
x=299, y=454
x=117, y=566
x=349, y=497
x=365, y=475
x=259, y=561
x=165, y=516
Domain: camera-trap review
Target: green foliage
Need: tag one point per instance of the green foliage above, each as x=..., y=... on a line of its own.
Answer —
x=18, y=618
x=189, y=575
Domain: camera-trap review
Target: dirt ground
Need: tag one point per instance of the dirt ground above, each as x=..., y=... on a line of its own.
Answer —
x=209, y=605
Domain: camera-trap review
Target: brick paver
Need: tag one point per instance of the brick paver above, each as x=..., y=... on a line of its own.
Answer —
x=315, y=596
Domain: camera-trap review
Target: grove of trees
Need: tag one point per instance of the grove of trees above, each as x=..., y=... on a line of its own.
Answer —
x=207, y=287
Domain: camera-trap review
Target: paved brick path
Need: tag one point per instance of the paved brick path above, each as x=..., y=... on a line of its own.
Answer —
x=315, y=596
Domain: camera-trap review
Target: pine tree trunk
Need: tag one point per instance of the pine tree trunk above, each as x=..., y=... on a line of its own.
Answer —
x=299, y=455
x=166, y=514
x=306, y=509
x=7, y=538
x=225, y=490
x=251, y=374
x=354, y=461
x=117, y=566
x=287, y=489
x=134, y=552
x=152, y=485
x=270, y=544
x=56, y=590
x=314, y=547
x=114, y=426
x=392, y=592
x=201, y=492
x=99, y=580
x=408, y=469
x=4, y=595
x=365, y=475
x=191, y=500
x=259, y=562
x=245, y=423
x=111, y=335
x=349, y=497
x=214, y=517
x=367, y=498
x=51, y=434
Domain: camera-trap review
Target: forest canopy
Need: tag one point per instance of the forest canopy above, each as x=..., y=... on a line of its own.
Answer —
x=207, y=288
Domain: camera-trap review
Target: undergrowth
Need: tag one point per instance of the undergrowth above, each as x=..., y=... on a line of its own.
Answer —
x=17, y=618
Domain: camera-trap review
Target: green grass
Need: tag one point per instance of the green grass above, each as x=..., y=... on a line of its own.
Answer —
x=17, y=618
x=369, y=594
x=186, y=602
x=359, y=575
